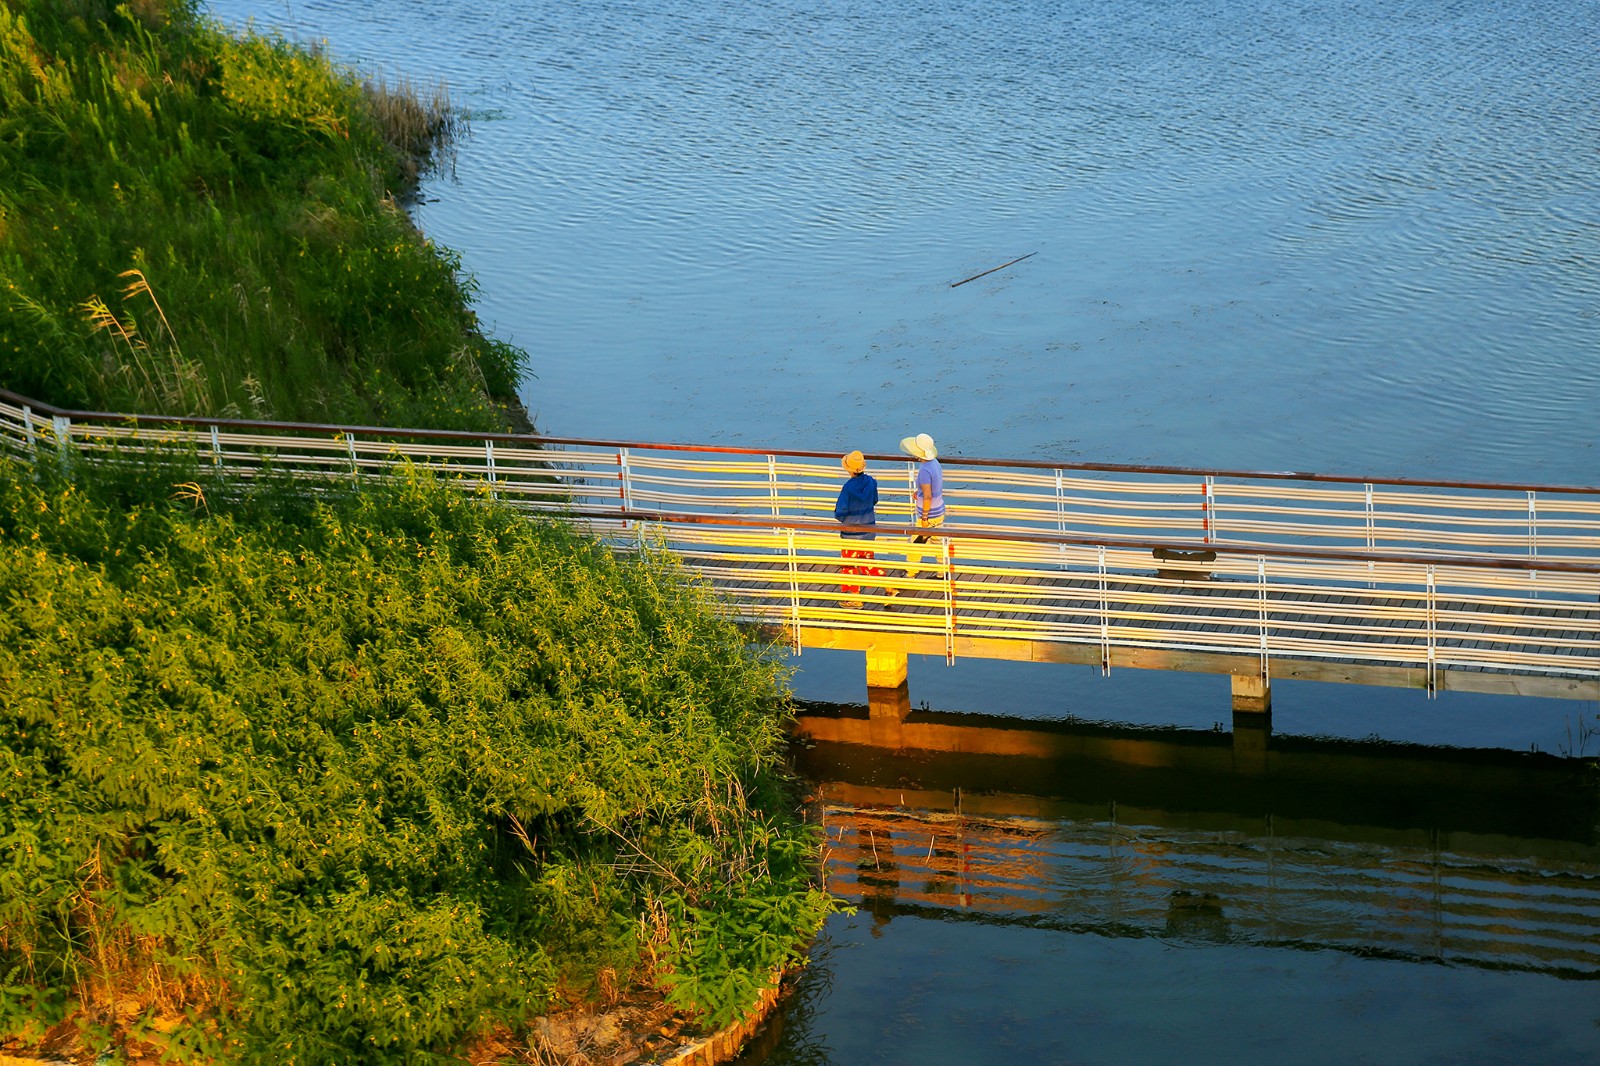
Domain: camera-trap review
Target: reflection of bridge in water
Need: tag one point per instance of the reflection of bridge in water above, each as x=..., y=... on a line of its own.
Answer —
x=1464, y=857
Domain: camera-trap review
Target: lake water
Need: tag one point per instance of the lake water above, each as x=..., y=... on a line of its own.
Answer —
x=1358, y=238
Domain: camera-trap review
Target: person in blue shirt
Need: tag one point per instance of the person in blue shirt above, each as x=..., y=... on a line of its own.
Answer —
x=857, y=506
x=927, y=499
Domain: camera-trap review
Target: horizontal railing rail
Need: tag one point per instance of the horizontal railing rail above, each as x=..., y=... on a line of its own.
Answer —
x=388, y=432
x=1431, y=576
x=835, y=531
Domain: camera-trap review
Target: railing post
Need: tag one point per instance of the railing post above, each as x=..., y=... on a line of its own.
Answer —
x=1533, y=543
x=1433, y=669
x=1208, y=509
x=1261, y=586
x=1372, y=522
x=949, y=602
x=1533, y=526
x=355, y=465
x=772, y=502
x=794, y=593
x=1105, y=617
x=1061, y=516
x=488, y=458
x=62, y=426
x=216, y=448
x=27, y=429
x=1252, y=695
x=1372, y=530
x=624, y=488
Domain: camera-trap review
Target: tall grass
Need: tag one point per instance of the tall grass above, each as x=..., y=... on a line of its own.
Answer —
x=254, y=188
x=351, y=778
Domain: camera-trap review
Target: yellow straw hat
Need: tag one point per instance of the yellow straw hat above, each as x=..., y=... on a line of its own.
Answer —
x=855, y=462
x=920, y=446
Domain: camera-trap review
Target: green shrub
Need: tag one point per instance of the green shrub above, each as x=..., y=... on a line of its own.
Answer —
x=354, y=779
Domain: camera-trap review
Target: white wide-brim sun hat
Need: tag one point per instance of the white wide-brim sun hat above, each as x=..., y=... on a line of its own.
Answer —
x=921, y=446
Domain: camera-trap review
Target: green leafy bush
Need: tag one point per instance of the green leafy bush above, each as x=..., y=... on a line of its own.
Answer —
x=354, y=776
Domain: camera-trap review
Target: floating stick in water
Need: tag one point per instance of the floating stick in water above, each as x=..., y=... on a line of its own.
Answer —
x=991, y=270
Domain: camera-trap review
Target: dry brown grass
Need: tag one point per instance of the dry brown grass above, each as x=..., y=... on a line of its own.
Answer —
x=158, y=371
x=420, y=130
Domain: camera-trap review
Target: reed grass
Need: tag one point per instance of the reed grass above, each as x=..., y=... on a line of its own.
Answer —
x=252, y=189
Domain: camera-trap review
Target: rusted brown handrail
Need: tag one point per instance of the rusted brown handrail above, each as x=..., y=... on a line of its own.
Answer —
x=718, y=449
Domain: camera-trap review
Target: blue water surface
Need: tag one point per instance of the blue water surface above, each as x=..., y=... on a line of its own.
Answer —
x=1358, y=238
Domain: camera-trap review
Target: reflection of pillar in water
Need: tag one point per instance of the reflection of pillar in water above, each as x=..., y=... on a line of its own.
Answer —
x=886, y=710
x=1113, y=865
x=964, y=864
x=877, y=875
x=1252, y=736
x=1196, y=916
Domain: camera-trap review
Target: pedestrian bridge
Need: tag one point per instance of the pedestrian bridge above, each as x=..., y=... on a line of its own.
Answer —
x=1432, y=585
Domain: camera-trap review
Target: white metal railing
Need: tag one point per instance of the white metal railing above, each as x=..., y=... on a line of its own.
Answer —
x=1186, y=507
x=1432, y=575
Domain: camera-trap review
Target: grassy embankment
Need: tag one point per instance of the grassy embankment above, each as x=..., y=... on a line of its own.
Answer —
x=193, y=223
x=349, y=780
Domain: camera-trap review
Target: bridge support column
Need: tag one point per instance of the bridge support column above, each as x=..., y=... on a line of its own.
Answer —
x=888, y=696
x=886, y=668
x=1252, y=722
x=1252, y=693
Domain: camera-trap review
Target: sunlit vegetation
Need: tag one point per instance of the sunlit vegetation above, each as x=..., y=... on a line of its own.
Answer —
x=198, y=222
x=352, y=777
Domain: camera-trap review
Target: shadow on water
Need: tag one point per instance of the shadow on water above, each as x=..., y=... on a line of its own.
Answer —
x=1476, y=858
x=1244, y=781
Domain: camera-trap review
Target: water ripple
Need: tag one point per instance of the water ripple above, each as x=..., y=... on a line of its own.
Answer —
x=1375, y=223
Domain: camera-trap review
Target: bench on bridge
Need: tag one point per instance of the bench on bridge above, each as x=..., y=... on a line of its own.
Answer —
x=1183, y=565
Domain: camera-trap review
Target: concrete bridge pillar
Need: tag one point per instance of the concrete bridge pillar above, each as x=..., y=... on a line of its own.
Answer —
x=886, y=668
x=1252, y=722
x=1252, y=693
x=888, y=695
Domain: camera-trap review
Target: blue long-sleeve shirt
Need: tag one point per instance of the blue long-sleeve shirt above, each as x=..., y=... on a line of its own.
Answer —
x=857, y=505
